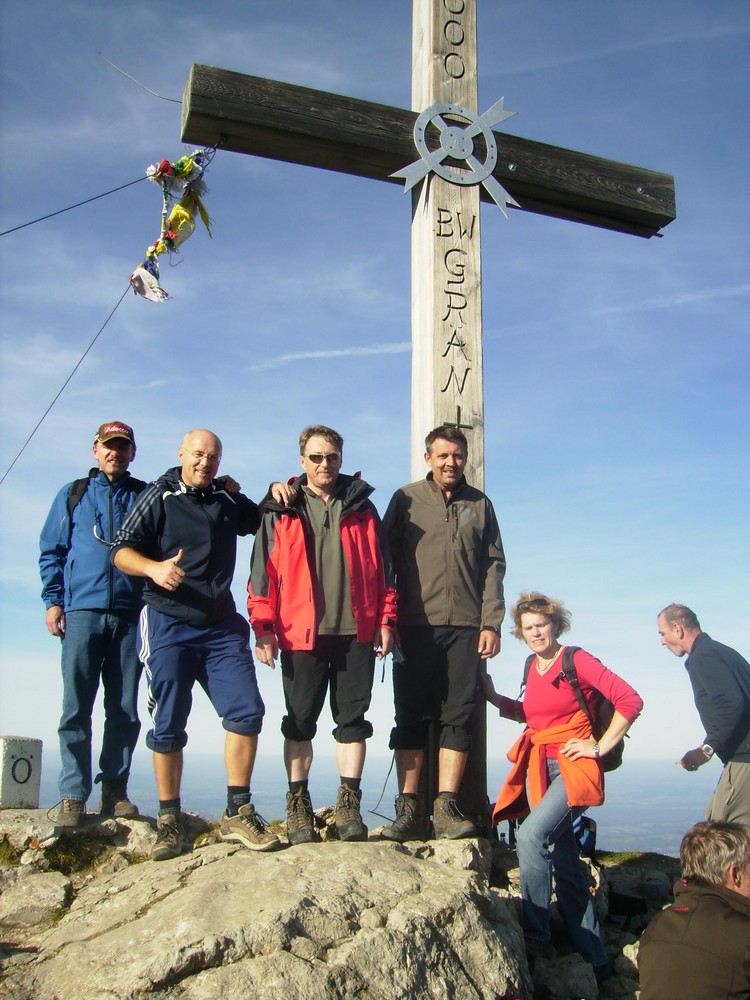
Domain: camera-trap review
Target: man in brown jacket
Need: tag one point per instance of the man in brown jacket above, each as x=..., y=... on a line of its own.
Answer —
x=699, y=948
x=449, y=564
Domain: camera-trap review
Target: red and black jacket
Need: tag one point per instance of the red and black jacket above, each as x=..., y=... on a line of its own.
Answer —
x=280, y=588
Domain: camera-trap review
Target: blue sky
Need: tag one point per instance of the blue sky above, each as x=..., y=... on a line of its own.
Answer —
x=616, y=369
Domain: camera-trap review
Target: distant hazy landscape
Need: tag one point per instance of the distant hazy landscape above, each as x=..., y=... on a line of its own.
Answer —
x=650, y=804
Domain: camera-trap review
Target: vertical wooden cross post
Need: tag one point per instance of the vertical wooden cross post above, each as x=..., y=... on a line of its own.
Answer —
x=446, y=302
x=455, y=147
x=446, y=277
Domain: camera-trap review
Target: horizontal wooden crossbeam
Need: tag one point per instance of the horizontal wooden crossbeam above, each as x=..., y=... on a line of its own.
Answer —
x=249, y=114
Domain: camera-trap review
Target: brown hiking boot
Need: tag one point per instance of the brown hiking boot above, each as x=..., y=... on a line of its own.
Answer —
x=71, y=813
x=115, y=801
x=448, y=820
x=248, y=828
x=300, y=818
x=347, y=816
x=408, y=824
x=170, y=837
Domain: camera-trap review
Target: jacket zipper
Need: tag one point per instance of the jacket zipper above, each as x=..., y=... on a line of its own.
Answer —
x=110, y=567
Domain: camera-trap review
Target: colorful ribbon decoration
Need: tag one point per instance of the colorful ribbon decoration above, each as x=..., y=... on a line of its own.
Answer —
x=183, y=178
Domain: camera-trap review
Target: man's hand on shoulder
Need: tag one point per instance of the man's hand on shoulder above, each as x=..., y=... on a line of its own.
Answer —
x=283, y=493
x=227, y=483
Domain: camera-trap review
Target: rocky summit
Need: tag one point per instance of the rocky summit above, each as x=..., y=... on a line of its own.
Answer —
x=89, y=915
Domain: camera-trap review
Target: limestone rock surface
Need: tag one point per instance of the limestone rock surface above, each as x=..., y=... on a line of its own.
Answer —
x=330, y=920
x=373, y=920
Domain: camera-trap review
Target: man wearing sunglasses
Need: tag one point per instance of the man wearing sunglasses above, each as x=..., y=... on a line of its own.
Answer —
x=449, y=565
x=317, y=593
x=93, y=608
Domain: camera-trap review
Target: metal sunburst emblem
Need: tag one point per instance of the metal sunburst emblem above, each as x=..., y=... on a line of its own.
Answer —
x=457, y=129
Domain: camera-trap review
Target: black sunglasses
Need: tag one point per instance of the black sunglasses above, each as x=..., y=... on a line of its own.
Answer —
x=332, y=456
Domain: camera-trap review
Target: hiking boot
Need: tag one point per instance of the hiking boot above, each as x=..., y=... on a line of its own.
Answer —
x=115, y=801
x=408, y=824
x=449, y=822
x=249, y=828
x=347, y=817
x=170, y=837
x=71, y=813
x=300, y=818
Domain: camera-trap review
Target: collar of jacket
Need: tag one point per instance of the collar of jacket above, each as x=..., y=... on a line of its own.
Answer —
x=172, y=478
x=439, y=493
x=696, y=642
x=685, y=889
x=96, y=475
x=351, y=490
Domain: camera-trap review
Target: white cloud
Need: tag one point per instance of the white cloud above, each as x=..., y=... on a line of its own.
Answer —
x=701, y=296
x=344, y=352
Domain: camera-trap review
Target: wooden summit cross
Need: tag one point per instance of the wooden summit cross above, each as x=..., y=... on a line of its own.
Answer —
x=450, y=157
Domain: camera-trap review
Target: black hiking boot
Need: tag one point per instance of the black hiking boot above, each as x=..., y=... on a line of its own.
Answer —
x=347, y=816
x=448, y=820
x=300, y=818
x=408, y=824
x=115, y=801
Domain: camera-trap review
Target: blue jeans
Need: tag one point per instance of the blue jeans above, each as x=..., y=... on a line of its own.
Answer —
x=546, y=844
x=97, y=644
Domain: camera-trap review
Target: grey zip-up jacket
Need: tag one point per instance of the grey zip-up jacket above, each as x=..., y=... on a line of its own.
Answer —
x=447, y=556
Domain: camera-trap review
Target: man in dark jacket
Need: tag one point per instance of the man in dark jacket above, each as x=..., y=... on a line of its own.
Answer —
x=720, y=678
x=699, y=948
x=182, y=537
x=93, y=609
x=449, y=563
x=317, y=592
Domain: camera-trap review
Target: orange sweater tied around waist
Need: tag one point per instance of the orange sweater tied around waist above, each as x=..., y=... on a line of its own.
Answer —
x=527, y=781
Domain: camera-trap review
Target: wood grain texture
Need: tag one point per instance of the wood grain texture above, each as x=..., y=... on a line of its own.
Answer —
x=248, y=114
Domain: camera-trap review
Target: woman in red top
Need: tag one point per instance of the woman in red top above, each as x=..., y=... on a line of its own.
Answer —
x=557, y=774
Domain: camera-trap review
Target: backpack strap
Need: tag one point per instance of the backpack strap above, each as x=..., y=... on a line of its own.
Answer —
x=569, y=672
x=526, y=669
x=77, y=489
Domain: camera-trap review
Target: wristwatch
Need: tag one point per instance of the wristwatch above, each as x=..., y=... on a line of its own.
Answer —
x=596, y=750
x=708, y=750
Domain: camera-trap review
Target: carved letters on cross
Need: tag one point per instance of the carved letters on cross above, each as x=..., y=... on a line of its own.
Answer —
x=458, y=365
x=446, y=265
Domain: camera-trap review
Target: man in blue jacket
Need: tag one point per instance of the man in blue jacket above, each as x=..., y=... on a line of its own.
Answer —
x=93, y=608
